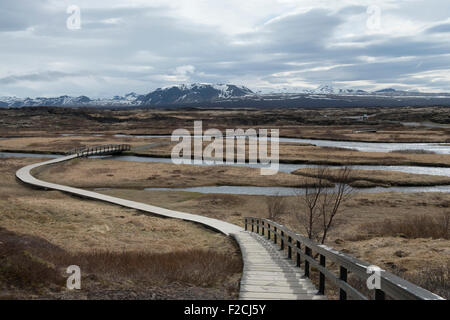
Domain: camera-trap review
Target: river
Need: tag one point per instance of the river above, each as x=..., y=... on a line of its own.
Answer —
x=283, y=168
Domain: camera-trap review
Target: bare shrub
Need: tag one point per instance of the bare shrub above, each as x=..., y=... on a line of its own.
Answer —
x=196, y=267
x=317, y=208
x=435, y=279
x=23, y=270
x=419, y=226
x=276, y=206
x=31, y=263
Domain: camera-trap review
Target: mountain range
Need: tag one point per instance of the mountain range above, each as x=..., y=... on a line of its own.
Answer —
x=230, y=95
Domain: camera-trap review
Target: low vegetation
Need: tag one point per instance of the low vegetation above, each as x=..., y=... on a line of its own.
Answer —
x=380, y=178
x=43, y=232
x=416, y=226
x=276, y=206
x=31, y=265
x=95, y=173
x=413, y=151
x=319, y=123
x=435, y=279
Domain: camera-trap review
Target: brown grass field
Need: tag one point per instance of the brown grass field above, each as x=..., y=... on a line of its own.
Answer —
x=353, y=233
x=309, y=154
x=361, y=229
x=82, y=231
x=95, y=173
x=125, y=254
x=289, y=152
x=327, y=123
x=380, y=178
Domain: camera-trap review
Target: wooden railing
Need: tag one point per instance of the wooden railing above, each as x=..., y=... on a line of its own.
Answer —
x=99, y=150
x=301, y=249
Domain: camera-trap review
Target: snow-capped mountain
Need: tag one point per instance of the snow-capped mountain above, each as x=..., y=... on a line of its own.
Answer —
x=323, y=89
x=180, y=94
x=194, y=93
x=328, y=89
x=202, y=94
x=42, y=101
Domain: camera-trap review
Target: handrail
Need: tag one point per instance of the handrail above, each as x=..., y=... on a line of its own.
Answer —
x=390, y=284
x=101, y=149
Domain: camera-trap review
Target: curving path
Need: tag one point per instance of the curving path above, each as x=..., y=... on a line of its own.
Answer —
x=266, y=275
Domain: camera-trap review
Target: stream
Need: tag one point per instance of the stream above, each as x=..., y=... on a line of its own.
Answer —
x=249, y=190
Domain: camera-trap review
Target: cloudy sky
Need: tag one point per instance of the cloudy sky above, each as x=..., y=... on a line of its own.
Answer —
x=138, y=45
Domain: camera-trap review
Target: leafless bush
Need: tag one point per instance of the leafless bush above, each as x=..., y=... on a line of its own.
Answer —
x=419, y=226
x=196, y=267
x=317, y=208
x=31, y=263
x=435, y=279
x=276, y=206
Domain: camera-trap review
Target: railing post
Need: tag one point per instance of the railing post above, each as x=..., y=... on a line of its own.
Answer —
x=282, y=240
x=289, y=247
x=322, y=276
x=379, y=294
x=308, y=253
x=263, y=231
x=343, y=277
x=257, y=225
x=253, y=225
x=268, y=231
x=299, y=262
x=274, y=234
x=245, y=223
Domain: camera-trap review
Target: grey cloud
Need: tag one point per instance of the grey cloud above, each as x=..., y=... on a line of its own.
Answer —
x=44, y=76
x=159, y=42
x=21, y=14
x=441, y=28
x=352, y=10
x=295, y=33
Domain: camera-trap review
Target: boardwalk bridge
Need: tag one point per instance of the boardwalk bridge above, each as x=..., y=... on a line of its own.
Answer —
x=278, y=263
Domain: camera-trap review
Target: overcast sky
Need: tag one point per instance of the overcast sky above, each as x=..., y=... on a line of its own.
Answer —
x=139, y=45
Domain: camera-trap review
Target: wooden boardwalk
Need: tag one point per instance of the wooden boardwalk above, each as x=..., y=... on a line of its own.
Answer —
x=266, y=275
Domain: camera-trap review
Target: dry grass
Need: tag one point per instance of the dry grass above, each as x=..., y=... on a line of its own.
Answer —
x=375, y=178
x=30, y=264
x=413, y=151
x=289, y=152
x=95, y=173
x=64, y=144
x=422, y=226
x=80, y=225
x=92, y=230
x=350, y=234
x=435, y=279
x=204, y=268
x=322, y=123
x=310, y=154
x=316, y=155
x=276, y=206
